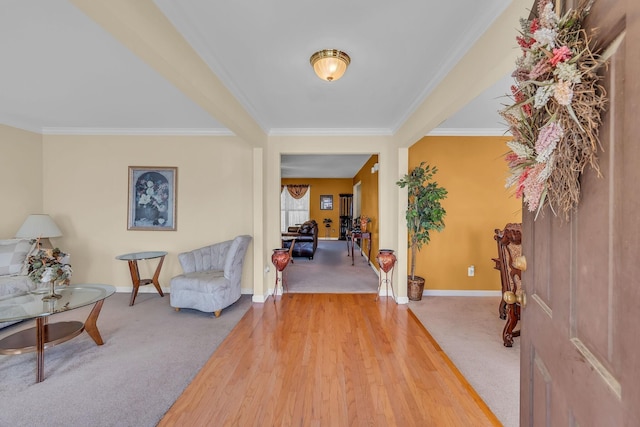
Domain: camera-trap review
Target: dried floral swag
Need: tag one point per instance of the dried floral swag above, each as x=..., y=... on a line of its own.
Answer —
x=556, y=112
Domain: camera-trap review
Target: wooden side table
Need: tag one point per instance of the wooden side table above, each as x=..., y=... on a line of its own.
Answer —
x=133, y=259
x=362, y=236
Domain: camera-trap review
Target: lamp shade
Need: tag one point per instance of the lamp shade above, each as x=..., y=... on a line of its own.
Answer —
x=330, y=64
x=38, y=225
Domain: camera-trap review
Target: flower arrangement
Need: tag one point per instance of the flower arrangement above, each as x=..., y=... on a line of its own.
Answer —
x=364, y=219
x=556, y=110
x=49, y=265
x=153, y=195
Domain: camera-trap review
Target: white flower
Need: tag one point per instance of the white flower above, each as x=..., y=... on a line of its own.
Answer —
x=545, y=37
x=567, y=72
x=515, y=176
x=48, y=275
x=543, y=93
x=563, y=92
x=521, y=150
x=548, y=169
x=549, y=19
x=144, y=199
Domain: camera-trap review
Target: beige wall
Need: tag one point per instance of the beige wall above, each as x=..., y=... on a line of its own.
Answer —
x=473, y=171
x=21, y=178
x=86, y=192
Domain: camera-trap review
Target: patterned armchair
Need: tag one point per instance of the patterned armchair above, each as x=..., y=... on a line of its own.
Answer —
x=212, y=276
x=509, y=242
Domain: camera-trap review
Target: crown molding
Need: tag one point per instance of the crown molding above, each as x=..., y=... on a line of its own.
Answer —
x=137, y=131
x=469, y=132
x=329, y=132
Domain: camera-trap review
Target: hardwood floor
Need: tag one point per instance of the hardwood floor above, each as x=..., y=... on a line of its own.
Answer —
x=329, y=360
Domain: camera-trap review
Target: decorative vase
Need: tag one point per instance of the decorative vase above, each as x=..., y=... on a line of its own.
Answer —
x=280, y=258
x=386, y=259
x=52, y=292
x=363, y=225
x=415, y=287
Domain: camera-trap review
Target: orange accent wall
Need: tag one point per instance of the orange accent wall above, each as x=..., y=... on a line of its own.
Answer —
x=473, y=171
x=369, y=202
x=324, y=186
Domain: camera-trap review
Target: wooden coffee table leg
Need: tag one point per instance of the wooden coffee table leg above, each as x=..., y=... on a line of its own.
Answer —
x=90, y=325
x=40, y=339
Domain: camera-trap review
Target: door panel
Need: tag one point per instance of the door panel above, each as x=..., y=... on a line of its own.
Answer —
x=580, y=342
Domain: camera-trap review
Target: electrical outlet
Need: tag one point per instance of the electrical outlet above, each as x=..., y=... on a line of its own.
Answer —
x=471, y=271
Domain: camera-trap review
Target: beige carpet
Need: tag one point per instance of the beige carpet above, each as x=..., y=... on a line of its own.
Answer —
x=330, y=271
x=150, y=354
x=469, y=331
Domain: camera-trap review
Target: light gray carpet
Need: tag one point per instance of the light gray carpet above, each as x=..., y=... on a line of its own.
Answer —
x=469, y=331
x=330, y=271
x=151, y=353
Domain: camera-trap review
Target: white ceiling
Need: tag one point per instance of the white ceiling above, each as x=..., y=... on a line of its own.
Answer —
x=63, y=73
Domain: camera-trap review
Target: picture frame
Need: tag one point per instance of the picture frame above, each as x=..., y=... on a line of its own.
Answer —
x=152, y=198
x=326, y=202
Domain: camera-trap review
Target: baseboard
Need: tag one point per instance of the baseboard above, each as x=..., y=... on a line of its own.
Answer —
x=141, y=290
x=454, y=293
x=261, y=299
x=402, y=300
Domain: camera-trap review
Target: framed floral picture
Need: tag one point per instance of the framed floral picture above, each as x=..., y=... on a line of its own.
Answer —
x=152, y=198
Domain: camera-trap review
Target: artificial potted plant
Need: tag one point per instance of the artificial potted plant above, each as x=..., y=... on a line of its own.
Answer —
x=424, y=214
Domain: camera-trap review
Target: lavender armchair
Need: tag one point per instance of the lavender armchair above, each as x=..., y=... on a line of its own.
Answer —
x=212, y=276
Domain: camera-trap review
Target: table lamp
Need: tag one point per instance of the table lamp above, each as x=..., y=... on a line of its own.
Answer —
x=41, y=227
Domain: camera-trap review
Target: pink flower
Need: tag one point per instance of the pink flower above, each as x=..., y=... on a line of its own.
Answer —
x=525, y=42
x=535, y=24
x=521, y=180
x=548, y=139
x=513, y=159
x=519, y=96
x=539, y=69
x=560, y=54
x=533, y=187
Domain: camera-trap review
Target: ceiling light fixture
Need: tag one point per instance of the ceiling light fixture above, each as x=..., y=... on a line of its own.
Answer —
x=330, y=64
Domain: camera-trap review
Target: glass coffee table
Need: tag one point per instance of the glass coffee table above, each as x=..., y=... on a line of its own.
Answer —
x=44, y=335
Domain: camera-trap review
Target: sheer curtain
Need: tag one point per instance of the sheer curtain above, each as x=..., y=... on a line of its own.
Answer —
x=293, y=211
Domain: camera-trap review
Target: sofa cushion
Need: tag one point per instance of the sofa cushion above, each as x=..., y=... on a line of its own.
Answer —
x=13, y=256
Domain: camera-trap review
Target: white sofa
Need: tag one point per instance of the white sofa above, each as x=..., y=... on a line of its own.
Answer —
x=14, y=268
x=212, y=276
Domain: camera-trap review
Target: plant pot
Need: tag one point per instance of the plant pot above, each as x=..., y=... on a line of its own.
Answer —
x=415, y=287
x=386, y=259
x=280, y=258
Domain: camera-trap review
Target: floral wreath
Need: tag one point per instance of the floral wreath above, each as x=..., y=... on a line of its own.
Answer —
x=556, y=114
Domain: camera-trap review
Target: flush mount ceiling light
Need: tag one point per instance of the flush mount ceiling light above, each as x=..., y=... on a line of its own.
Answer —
x=330, y=64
